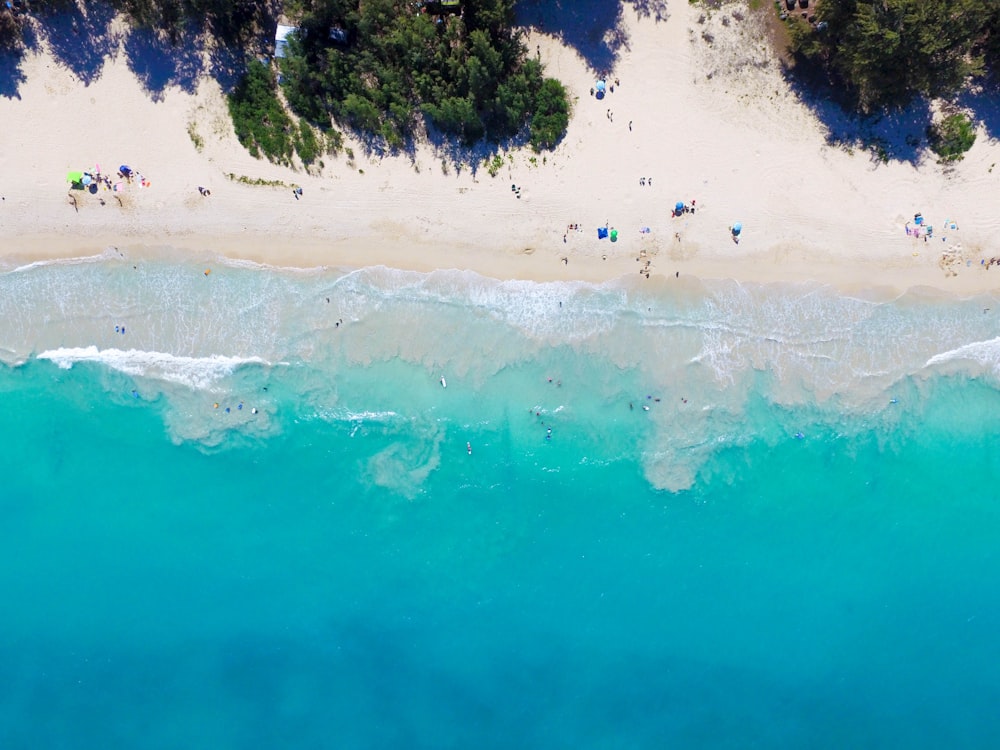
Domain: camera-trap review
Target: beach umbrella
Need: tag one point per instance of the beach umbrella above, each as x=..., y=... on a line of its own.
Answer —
x=679, y=207
x=125, y=169
x=600, y=86
x=86, y=179
x=737, y=228
x=614, y=235
x=74, y=176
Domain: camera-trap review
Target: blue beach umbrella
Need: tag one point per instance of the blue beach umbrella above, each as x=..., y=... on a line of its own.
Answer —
x=600, y=86
x=737, y=228
x=679, y=206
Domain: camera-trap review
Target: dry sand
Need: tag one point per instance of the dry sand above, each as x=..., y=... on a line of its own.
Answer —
x=711, y=122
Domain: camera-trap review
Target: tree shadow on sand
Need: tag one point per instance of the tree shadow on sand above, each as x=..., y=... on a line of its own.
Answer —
x=898, y=135
x=158, y=63
x=592, y=27
x=11, y=74
x=81, y=37
x=983, y=101
x=12, y=58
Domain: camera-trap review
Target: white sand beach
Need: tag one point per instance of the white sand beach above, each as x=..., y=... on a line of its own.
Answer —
x=714, y=125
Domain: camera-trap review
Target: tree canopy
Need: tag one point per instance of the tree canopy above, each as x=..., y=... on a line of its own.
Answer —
x=886, y=52
x=230, y=21
x=468, y=72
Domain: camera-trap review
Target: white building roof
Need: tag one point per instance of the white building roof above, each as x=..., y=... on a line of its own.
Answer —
x=280, y=37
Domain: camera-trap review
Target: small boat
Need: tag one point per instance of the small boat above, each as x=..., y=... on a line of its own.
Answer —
x=444, y=383
x=468, y=447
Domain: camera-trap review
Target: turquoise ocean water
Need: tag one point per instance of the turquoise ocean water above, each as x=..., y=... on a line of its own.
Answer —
x=245, y=524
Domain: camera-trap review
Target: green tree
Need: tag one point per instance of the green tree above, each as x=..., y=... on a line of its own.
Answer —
x=361, y=113
x=952, y=137
x=260, y=120
x=889, y=51
x=457, y=115
x=991, y=39
x=467, y=73
x=551, y=115
x=10, y=30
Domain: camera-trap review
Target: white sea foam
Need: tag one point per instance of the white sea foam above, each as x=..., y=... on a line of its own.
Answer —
x=109, y=253
x=253, y=265
x=708, y=350
x=350, y=416
x=194, y=372
x=984, y=353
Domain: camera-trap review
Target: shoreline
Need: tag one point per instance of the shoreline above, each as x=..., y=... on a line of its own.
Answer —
x=713, y=125
x=313, y=254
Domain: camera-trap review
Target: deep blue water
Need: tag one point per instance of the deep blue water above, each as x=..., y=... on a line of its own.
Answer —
x=795, y=546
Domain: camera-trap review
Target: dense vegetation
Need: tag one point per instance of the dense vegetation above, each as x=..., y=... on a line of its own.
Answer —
x=231, y=21
x=264, y=127
x=886, y=52
x=468, y=73
x=259, y=119
x=952, y=137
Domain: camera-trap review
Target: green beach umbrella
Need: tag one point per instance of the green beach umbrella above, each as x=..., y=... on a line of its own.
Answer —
x=614, y=235
x=74, y=176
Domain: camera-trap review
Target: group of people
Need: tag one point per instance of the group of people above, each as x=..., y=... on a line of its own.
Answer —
x=603, y=84
x=239, y=407
x=683, y=208
x=95, y=179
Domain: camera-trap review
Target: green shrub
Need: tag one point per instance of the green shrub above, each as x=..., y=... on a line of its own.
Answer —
x=261, y=122
x=306, y=144
x=952, y=137
x=551, y=118
x=196, y=139
x=469, y=75
x=493, y=166
x=334, y=141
